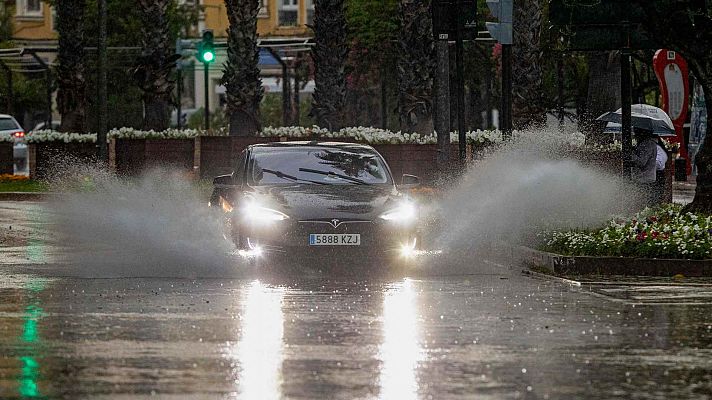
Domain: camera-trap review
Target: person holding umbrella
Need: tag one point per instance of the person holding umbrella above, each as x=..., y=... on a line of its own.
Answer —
x=660, y=163
x=649, y=123
x=644, y=160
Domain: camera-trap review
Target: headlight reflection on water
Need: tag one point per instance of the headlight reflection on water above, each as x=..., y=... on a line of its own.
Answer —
x=259, y=349
x=400, y=350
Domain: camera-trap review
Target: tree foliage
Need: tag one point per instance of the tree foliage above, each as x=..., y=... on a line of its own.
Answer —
x=373, y=31
x=156, y=64
x=71, y=68
x=416, y=66
x=124, y=29
x=6, y=26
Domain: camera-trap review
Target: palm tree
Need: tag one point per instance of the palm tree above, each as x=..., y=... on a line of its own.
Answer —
x=527, y=77
x=71, y=81
x=329, y=54
x=604, y=84
x=416, y=66
x=241, y=76
x=154, y=70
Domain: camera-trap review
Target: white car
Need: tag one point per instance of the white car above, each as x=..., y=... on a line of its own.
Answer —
x=42, y=125
x=10, y=127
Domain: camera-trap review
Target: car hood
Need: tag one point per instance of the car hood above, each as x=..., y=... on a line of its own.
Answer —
x=305, y=202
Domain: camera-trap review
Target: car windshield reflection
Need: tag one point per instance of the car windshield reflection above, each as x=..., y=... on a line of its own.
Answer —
x=317, y=165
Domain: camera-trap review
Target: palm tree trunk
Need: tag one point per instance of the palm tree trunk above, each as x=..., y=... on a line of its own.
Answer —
x=527, y=76
x=155, y=68
x=416, y=67
x=241, y=75
x=604, y=88
x=329, y=53
x=71, y=81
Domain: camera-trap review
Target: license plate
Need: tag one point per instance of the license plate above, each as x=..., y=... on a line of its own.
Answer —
x=334, y=239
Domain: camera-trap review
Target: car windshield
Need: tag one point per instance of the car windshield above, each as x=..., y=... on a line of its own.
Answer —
x=8, y=124
x=316, y=165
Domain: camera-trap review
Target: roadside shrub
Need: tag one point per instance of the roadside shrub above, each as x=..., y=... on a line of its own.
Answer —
x=663, y=232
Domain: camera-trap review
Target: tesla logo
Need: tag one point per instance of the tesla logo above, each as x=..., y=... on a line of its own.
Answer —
x=335, y=223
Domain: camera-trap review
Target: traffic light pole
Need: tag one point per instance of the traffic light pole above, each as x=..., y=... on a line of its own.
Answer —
x=102, y=147
x=442, y=100
x=206, y=73
x=506, y=117
x=459, y=50
x=626, y=124
x=179, y=104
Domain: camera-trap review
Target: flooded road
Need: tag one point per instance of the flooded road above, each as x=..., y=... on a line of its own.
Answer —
x=492, y=333
x=483, y=335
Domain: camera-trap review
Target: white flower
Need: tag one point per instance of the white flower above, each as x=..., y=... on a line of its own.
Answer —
x=48, y=135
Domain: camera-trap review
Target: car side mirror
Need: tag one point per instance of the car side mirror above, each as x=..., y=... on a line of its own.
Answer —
x=409, y=181
x=224, y=181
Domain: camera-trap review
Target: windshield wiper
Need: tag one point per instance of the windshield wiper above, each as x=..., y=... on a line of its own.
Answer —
x=330, y=173
x=280, y=174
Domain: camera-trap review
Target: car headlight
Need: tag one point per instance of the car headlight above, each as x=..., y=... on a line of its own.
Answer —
x=255, y=213
x=405, y=212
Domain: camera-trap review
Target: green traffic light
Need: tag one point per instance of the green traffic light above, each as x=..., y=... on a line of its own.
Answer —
x=208, y=56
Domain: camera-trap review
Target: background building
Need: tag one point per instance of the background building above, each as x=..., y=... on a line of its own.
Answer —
x=278, y=19
x=33, y=22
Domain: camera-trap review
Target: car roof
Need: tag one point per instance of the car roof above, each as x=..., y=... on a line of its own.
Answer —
x=316, y=143
x=6, y=116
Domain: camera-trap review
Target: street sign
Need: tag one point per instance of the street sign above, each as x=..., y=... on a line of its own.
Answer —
x=448, y=13
x=672, y=73
x=594, y=12
x=606, y=37
x=502, y=10
x=600, y=24
x=182, y=49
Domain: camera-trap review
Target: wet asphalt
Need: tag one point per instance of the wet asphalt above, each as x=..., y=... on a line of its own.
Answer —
x=490, y=333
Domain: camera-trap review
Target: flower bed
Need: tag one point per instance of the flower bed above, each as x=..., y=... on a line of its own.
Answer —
x=360, y=134
x=44, y=136
x=130, y=133
x=133, y=150
x=13, y=178
x=663, y=232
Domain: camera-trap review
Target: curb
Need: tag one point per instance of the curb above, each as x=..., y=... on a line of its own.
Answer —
x=27, y=196
x=560, y=265
x=549, y=277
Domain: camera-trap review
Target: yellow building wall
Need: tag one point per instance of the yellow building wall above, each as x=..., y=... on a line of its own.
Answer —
x=267, y=24
x=35, y=28
x=40, y=28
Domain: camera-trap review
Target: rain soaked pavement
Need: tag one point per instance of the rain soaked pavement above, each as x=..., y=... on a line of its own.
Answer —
x=494, y=333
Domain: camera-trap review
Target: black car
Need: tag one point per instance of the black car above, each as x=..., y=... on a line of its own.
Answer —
x=316, y=200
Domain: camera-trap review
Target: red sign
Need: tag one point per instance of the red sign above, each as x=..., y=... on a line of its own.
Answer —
x=671, y=70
